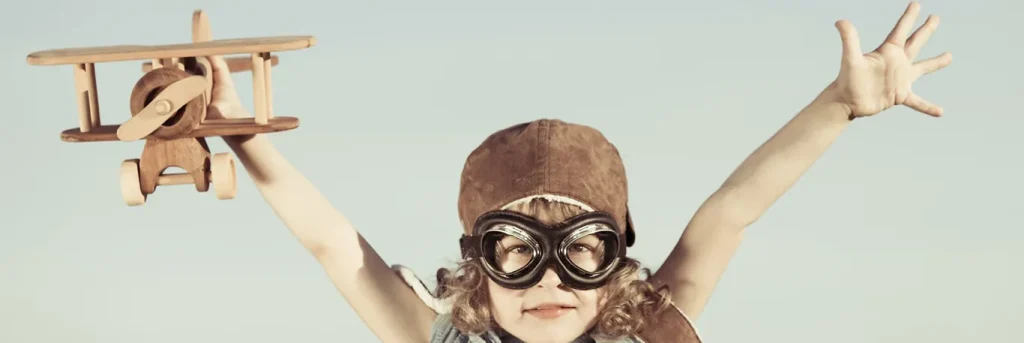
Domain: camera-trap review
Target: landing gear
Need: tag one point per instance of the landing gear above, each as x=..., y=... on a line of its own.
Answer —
x=140, y=177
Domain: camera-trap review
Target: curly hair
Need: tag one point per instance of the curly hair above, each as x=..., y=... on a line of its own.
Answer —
x=630, y=302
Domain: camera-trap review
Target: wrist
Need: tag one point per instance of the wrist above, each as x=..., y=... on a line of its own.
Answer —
x=259, y=157
x=829, y=105
x=248, y=144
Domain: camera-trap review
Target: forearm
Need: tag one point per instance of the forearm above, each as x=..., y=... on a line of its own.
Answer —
x=778, y=163
x=293, y=198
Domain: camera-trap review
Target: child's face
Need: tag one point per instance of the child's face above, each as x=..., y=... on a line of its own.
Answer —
x=565, y=313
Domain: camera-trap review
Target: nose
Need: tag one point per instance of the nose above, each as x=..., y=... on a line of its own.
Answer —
x=550, y=279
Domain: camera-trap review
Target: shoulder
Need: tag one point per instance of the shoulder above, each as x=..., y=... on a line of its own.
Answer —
x=671, y=325
x=439, y=305
x=443, y=329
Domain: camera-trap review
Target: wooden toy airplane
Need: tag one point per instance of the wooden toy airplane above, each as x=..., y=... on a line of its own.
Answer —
x=168, y=106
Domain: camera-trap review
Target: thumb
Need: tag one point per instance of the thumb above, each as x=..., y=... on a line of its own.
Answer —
x=851, y=40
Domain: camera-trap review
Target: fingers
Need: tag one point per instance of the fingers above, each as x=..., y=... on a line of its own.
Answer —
x=920, y=37
x=221, y=72
x=933, y=64
x=914, y=101
x=851, y=41
x=218, y=63
x=898, y=36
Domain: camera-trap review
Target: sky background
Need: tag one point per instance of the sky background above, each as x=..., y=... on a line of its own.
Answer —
x=905, y=231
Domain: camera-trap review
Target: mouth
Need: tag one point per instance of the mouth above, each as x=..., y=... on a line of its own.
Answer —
x=549, y=310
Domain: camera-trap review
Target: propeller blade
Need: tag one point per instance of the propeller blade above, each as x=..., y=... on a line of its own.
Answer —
x=162, y=108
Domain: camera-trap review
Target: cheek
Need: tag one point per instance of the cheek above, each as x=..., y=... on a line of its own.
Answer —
x=591, y=300
x=505, y=303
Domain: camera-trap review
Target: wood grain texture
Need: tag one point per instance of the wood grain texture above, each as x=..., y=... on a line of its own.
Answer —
x=150, y=52
x=209, y=128
x=235, y=64
x=190, y=154
x=186, y=119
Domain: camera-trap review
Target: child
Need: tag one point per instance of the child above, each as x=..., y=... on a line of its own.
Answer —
x=546, y=222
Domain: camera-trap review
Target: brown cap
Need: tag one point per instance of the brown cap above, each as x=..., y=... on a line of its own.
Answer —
x=550, y=158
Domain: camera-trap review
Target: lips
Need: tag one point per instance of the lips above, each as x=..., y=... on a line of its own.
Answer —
x=549, y=310
x=549, y=307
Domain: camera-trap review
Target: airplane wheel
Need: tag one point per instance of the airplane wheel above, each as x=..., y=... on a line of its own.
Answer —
x=131, y=190
x=223, y=174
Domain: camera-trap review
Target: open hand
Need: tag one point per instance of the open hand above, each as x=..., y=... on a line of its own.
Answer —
x=870, y=83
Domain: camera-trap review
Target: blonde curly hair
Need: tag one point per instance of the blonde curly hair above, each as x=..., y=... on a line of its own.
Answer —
x=630, y=302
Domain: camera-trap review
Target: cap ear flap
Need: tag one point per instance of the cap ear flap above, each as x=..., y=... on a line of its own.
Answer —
x=630, y=234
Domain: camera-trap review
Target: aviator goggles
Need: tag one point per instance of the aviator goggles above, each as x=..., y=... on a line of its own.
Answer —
x=516, y=250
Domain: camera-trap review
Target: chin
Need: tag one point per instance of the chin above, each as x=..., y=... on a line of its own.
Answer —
x=560, y=330
x=555, y=336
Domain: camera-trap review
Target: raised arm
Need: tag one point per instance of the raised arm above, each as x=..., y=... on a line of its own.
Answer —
x=384, y=302
x=866, y=85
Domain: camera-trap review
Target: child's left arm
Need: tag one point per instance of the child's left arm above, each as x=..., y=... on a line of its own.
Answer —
x=866, y=85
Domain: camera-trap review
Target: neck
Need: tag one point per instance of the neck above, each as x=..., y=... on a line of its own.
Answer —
x=509, y=338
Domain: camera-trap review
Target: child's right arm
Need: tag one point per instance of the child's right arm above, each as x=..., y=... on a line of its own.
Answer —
x=380, y=297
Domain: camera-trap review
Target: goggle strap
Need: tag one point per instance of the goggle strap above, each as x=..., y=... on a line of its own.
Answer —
x=468, y=246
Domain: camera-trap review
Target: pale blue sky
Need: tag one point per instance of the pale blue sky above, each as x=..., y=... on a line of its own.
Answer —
x=906, y=231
